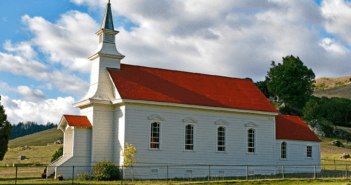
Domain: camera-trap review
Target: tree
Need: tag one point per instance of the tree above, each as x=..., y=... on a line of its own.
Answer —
x=5, y=132
x=291, y=81
x=57, y=154
x=128, y=154
x=262, y=85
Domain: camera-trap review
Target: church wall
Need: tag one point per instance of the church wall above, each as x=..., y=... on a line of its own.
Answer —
x=82, y=142
x=172, y=129
x=102, y=133
x=119, y=132
x=68, y=142
x=297, y=153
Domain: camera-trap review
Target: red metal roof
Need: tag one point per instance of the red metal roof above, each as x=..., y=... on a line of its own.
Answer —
x=293, y=128
x=77, y=121
x=152, y=84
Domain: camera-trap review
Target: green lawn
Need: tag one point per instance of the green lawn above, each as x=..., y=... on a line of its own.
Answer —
x=37, y=139
x=37, y=154
x=254, y=182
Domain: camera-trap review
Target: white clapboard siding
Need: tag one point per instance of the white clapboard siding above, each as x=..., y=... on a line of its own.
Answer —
x=119, y=133
x=102, y=133
x=82, y=142
x=297, y=153
x=172, y=137
x=68, y=142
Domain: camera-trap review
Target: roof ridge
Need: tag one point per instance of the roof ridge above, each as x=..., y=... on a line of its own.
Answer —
x=185, y=72
x=74, y=115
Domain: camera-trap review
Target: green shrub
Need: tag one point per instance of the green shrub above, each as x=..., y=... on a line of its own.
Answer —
x=105, y=171
x=83, y=176
x=57, y=154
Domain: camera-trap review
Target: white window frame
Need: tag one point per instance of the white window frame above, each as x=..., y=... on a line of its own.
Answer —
x=255, y=141
x=160, y=134
x=225, y=138
x=307, y=151
x=286, y=150
x=194, y=136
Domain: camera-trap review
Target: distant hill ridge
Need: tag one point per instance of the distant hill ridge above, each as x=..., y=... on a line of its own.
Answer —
x=30, y=127
x=333, y=87
x=327, y=83
x=37, y=139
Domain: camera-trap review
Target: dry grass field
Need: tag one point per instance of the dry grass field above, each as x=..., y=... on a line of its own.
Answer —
x=332, y=82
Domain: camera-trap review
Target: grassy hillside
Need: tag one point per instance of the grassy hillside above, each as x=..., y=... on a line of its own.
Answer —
x=340, y=92
x=332, y=82
x=37, y=154
x=37, y=139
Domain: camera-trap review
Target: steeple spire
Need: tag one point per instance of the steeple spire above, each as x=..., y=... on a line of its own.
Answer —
x=107, y=22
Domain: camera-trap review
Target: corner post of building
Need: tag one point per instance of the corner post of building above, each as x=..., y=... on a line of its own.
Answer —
x=283, y=171
x=167, y=175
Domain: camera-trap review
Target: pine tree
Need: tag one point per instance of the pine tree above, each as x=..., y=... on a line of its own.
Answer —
x=5, y=132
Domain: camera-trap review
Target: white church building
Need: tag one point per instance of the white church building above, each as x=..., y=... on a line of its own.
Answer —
x=177, y=118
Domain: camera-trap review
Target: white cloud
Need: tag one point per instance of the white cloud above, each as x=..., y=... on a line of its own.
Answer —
x=41, y=112
x=330, y=45
x=69, y=41
x=338, y=18
x=23, y=49
x=232, y=38
x=48, y=86
x=27, y=93
x=63, y=81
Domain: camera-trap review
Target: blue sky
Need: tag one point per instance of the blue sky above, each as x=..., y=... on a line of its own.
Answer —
x=45, y=44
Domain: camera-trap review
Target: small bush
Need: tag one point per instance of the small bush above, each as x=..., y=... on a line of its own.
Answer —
x=57, y=154
x=105, y=171
x=83, y=176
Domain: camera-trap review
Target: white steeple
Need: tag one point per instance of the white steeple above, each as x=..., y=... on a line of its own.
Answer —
x=107, y=56
x=107, y=46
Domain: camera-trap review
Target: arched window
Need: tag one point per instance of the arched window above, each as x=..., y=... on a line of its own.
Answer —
x=155, y=135
x=283, y=150
x=251, y=141
x=189, y=137
x=221, y=139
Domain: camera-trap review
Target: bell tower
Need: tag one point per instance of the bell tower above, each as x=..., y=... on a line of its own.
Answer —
x=106, y=56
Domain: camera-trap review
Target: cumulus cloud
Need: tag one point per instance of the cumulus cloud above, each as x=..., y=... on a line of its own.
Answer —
x=23, y=49
x=331, y=46
x=41, y=112
x=64, y=81
x=231, y=38
x=27, y=93
x=69, y=41
x=338, y=18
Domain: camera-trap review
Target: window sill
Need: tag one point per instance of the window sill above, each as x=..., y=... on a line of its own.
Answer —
x=310, y=158
x=150, y=149
x=189, y=151
x=283, y=159
x=219, y=152
x=247, y=153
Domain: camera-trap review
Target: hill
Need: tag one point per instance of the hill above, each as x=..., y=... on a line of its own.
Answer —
x=340, y=92
x=327, y=83
x=333, y=87
x=37, y=139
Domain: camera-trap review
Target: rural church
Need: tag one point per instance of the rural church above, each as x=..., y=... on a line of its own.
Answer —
x=177, y=118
